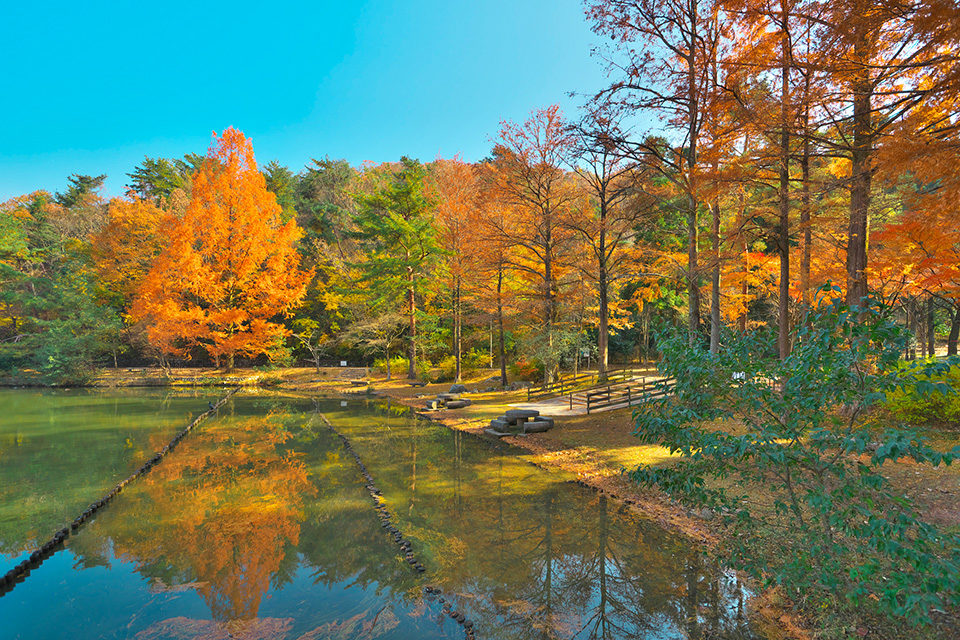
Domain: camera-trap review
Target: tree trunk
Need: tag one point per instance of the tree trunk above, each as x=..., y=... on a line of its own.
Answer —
x=693, y=130
x=912, y=327
x=860, y=178
x=457, y=319
x=503, y=352
x=805, y=215
x=412, y=312
x=603, y=339
x=715, y=279
x=931, y=328
x=783, y=315
x=230, y=361
x=954, y=332
x=693, y=287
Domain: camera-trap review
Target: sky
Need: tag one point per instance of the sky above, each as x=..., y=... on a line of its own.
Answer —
x=93, y=87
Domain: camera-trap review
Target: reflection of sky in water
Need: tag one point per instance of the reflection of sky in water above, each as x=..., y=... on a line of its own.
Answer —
x=258, y=527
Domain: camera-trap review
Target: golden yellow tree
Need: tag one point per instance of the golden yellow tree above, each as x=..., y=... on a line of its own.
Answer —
x=230, y=267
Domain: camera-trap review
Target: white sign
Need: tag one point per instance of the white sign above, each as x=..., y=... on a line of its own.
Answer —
x=343, y=363
x=739, y=375
x=343, y=403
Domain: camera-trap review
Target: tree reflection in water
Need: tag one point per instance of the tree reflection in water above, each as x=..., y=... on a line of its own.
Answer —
x=223, y=514
x=269, y=502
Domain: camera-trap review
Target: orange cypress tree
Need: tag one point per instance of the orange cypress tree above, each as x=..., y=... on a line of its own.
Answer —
x=230, y=266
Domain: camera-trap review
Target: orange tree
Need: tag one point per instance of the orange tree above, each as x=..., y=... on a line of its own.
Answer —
x=230, y=267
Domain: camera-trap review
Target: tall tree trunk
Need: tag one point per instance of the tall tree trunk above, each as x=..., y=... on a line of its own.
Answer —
x=805, y=211
x=860, y=177
x=549, y=301
x=954, y=331
x=931, y=327
x=715, y=278
x=457, y=319
x=783, y=315
x=502, y=349
x=412, y=313
x=603, y=289
x=693, y=287
x=912, y=327
x=693, y=131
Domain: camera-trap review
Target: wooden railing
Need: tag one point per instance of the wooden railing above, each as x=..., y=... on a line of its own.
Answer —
x=581, y=382
x=627, y=394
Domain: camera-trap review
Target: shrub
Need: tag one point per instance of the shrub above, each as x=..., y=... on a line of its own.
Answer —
x=398, y=365
x=916, y=406
x=470, y=362
x=836, y=529
x=524, y=369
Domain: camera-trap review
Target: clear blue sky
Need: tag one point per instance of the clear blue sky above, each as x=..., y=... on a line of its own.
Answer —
x=92, y=87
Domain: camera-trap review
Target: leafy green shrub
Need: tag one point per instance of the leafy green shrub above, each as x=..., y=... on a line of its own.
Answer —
x=398, y=365
x=836, y=531
x=922, y=405
x=470, y=362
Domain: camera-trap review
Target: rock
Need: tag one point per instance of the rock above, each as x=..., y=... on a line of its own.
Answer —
x=458, y=388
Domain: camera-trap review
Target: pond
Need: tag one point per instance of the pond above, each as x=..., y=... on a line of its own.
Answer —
x=259, y=526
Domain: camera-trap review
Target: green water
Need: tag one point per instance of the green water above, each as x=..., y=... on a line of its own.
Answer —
x=258, y=526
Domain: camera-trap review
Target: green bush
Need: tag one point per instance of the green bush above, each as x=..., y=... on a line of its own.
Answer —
x=922, y=406
x=470, y=363
x=836, y=532
x=398, y=365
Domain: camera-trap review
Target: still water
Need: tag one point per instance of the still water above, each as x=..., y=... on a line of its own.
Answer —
x=258, y=526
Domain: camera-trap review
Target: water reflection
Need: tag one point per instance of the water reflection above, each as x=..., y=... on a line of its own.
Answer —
x=258, y=527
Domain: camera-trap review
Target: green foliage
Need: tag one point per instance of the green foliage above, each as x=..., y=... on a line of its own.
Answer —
x=836, y=530
x=282, y=183
x=917, y=404
x=80, y=186
x=398, y=365
x=470, y=362
x=395, y=227
x=156, y=178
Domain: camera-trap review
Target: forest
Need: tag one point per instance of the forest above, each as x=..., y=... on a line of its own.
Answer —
x=743, y=155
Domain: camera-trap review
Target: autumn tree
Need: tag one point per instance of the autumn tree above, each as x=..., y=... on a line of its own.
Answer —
x=458, y=223
x=230, y=268
x=608, y=217
x=888, y=60
x=531, y=181
x=662, y=51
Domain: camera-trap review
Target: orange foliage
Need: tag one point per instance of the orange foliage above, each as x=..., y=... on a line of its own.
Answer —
x=230, y=266
x=125, y=248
